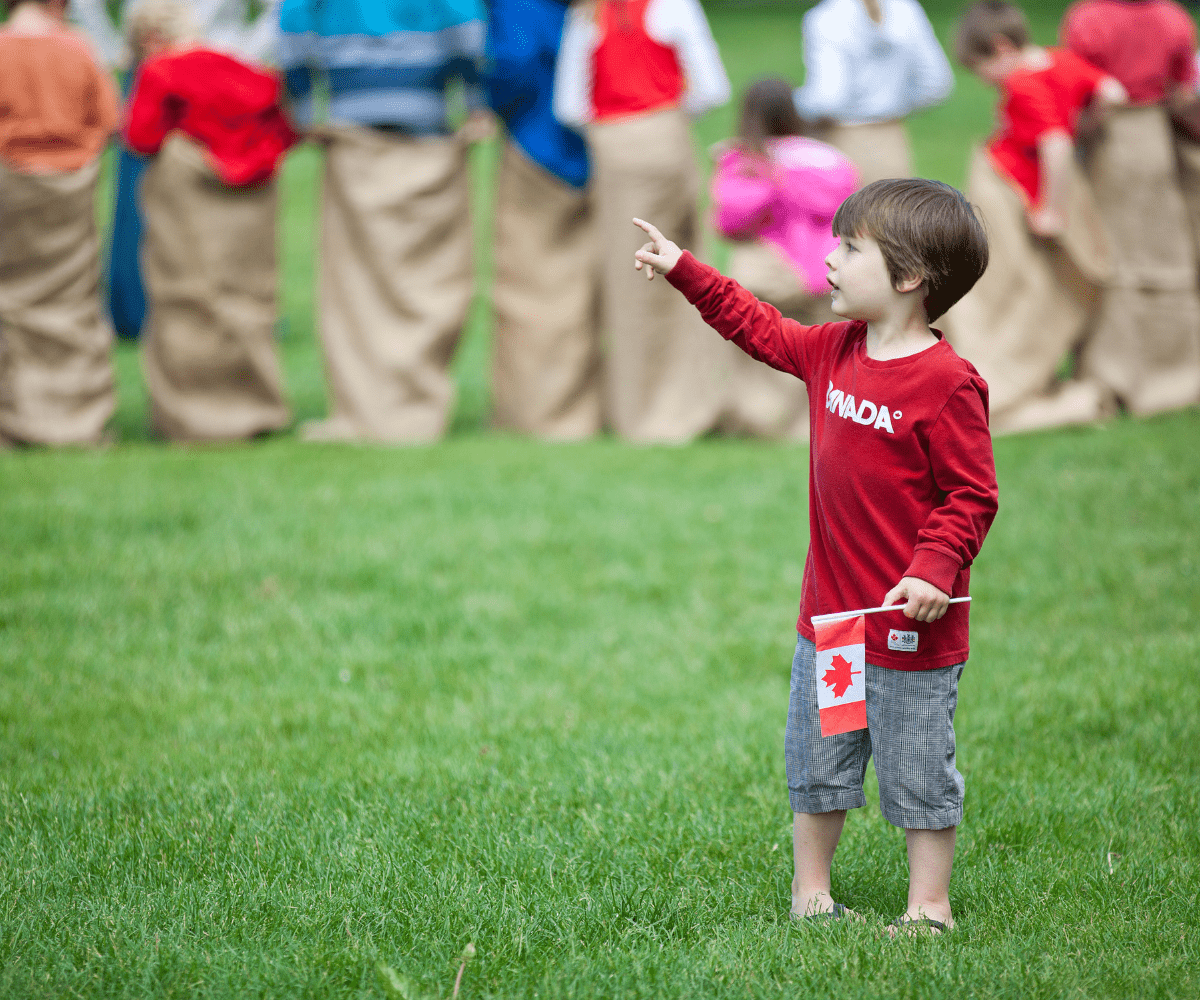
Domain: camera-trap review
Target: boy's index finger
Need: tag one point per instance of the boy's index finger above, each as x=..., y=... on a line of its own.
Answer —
x=650, y=229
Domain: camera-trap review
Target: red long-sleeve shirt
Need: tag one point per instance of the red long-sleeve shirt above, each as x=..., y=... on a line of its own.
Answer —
x=228, y=107
x=901, y=476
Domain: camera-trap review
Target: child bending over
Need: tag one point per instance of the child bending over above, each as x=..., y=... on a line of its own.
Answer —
x=1051, y=259
x=902, y=491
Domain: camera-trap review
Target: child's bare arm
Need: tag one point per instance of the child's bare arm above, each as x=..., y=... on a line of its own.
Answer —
x=660, y=253
x=1055, y=155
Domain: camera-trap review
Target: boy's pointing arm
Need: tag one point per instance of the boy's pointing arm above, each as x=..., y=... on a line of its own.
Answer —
x=757, y=328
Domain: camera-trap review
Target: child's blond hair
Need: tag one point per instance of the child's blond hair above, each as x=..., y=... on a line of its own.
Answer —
x=171, y=20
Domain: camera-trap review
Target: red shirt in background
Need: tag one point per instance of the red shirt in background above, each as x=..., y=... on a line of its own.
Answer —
x=901, y=477
x=228, y=107
x=632, y=72
x=1034, y=102
x=1148, y=45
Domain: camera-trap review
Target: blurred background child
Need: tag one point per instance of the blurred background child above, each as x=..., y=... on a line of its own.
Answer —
x=632, y=72
x=545, y=345
x=1050, y=258
x=396, y=251
x=216, y=133
x=58, y=108
x=775, y=192
x=868, y=65
x=1145, y=346
x=238, y=27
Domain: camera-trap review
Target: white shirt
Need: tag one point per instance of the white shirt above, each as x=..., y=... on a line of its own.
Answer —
x=222, y=24
x=859, y=71
x=678, y=24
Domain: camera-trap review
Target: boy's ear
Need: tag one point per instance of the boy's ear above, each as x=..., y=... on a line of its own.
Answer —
x=909, y=284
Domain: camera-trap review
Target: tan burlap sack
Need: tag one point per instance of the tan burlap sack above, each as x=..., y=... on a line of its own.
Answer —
x=545, y=350
x=663, y=377
x=56, y=374
x=879, y=149
x=208, y=257
x=396, y=279
x=763, y=402
x=1187, y=158
x=1145, y=343
x=1031, y=307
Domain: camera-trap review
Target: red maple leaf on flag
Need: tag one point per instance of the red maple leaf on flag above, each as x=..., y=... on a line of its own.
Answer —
x=839, y=675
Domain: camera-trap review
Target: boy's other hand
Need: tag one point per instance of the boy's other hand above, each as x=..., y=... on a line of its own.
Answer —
x=1047, y=222
x=925, y=602
x=660, y=253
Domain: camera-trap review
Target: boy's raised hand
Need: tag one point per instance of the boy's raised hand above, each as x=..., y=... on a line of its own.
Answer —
x=660, y=253
x=925, y=602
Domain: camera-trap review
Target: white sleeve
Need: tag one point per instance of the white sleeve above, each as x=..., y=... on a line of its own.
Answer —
x=682, y=25
x=827, y=88
x=573, y=70
x=92, y=17
x=930, y=79
x=261, y=39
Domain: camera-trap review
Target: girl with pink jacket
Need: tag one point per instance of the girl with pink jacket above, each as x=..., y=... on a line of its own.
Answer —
x=774, y=193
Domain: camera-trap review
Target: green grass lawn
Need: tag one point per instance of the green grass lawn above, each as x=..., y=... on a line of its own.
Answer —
x=274, y=715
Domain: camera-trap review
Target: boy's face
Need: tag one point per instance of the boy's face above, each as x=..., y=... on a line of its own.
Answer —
x=862, y=287
x=997, y=67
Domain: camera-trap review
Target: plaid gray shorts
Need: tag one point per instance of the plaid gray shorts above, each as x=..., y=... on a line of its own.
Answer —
x=910, y=732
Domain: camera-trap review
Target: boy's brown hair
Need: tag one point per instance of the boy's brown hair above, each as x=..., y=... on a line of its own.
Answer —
x=981, y=23
x=926, y=229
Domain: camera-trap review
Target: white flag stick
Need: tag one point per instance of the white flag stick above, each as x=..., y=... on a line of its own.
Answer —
x=838, y=616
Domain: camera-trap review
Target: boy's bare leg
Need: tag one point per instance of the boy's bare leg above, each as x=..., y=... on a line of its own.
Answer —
x=814, y=839
x=930, y=858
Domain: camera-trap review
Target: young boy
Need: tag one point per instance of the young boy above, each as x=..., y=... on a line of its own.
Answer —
x=217, y=135
x=545, y=347
x=632, y=74
x=57, y=111
x=1146, y=343
x=1051, y=259
x=898, y=508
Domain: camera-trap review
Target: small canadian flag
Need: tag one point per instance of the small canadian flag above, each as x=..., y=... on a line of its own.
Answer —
x=841, y=675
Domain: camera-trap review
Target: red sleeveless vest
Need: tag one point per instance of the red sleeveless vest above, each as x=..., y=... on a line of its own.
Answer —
x=631, y=71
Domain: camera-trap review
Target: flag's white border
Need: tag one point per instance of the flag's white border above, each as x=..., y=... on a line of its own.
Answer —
x=839, y=616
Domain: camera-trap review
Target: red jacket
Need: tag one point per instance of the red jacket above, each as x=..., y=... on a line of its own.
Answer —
x=901, y=477
x=228, y=107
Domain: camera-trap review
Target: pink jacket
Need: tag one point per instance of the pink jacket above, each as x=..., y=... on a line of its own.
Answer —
x=790, y=203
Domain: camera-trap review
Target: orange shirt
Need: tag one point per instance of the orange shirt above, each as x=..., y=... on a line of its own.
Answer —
x=57, y=107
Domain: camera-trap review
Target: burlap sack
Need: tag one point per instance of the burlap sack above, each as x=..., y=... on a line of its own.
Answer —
x=662, y=364
x=763, y=402
x=879, y=149
x=1187, y=158
x=1031, y=307
x=1145, y=343
x=56, y=375
x=545, y=349
x=396, y=279
x=208, y=259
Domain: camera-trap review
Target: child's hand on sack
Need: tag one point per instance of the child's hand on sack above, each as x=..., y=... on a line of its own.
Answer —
x=660, y=253
x=1047, y=222
x=925, y=602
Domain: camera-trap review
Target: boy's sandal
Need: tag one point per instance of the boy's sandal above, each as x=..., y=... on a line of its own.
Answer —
x=837, y=913
x=915, y=925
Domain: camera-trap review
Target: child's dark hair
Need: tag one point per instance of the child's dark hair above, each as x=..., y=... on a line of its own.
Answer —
x=926, y=229
x=768, y=110
x=975, y=36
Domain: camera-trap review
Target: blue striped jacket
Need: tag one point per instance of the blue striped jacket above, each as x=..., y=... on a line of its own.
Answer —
x=386, y=62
